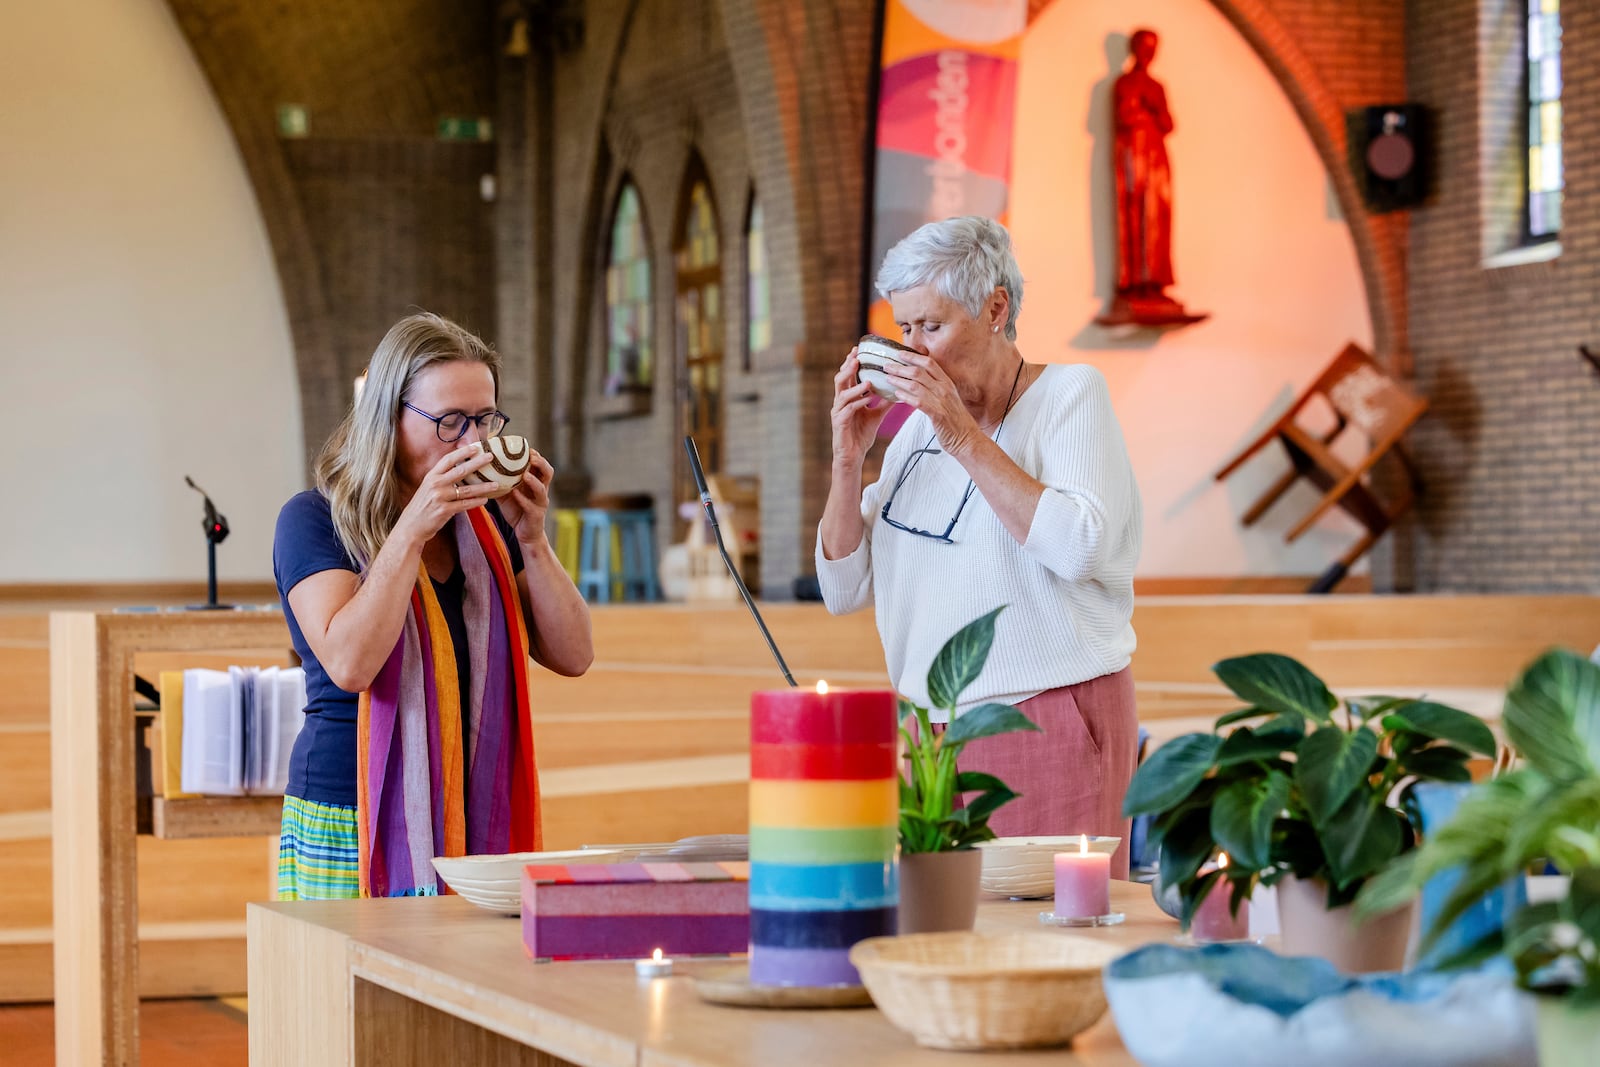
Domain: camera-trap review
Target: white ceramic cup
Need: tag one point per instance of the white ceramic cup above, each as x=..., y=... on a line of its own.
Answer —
x=511, y=458
x=873, y=353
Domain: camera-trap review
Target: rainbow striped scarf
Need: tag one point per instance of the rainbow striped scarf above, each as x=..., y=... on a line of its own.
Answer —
x=411, y=804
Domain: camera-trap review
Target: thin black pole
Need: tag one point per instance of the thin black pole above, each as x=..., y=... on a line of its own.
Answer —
x=716, y=531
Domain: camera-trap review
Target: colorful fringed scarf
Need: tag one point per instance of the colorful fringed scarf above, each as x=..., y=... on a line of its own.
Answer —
x=411, y=803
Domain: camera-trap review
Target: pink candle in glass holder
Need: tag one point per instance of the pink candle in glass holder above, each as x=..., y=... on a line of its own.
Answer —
x=1212, y=920
x=1083, y=883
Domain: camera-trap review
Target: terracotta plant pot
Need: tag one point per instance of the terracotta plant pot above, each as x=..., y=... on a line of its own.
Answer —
x=1309, y=928
x=939, y=891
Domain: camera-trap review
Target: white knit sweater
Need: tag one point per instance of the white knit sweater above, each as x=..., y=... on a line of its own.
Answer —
x=1068, y=590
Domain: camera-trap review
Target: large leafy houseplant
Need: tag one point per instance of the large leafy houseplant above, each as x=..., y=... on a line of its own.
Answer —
x=929, y=818
x=1546, y=811
x=1300, y=785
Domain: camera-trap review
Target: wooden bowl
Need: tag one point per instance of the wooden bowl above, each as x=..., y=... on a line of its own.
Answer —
x=1026, y=867
x=986, y=991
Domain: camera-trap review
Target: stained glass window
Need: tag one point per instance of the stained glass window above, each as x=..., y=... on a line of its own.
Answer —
x=700, y=231
x=700, y=317
x=630, y=361
x=1544, y=118
x=758, y=294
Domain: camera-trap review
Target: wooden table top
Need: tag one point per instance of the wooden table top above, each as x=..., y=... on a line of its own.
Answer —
x=451, y=955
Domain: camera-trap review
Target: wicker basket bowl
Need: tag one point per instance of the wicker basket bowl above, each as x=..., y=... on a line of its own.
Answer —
x=977, y=991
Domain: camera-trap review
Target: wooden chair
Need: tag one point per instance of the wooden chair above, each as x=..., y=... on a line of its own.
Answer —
x=1361, y=395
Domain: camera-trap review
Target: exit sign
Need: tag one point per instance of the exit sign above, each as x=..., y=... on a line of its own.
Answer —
x=292, y=121
x=456, y=128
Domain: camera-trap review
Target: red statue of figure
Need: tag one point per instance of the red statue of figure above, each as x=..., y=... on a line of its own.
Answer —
x=1143, y=182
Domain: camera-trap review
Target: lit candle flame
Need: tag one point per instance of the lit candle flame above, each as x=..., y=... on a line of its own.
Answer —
x=1222, y=860
x=822, y=689
x=656, y=955
x=1083, y=844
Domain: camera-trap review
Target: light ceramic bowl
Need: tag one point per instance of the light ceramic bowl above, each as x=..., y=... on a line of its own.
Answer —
x=873, y=353
x=704, y=848
x=986, y=991
x=500, y=903
x=495, y=882
x=1025, y=866
x=511, y=458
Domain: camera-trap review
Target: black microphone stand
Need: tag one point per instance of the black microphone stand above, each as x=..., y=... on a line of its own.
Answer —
x=216, y=528
x=716, y=530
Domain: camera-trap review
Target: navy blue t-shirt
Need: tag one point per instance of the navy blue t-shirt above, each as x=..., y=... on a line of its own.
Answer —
x=322, y=767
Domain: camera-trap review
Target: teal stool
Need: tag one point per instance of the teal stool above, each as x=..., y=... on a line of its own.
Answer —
x=617, y=555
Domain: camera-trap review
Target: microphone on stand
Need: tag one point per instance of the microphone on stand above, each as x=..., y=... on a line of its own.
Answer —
x=216, y=527
x=716, y=530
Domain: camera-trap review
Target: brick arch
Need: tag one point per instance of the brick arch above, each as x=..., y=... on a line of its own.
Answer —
x=1379, y=240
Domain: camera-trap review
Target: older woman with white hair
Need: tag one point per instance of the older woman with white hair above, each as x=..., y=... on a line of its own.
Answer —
x=1009, y=485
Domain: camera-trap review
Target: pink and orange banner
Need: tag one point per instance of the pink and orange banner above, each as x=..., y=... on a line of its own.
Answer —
x=947, y=83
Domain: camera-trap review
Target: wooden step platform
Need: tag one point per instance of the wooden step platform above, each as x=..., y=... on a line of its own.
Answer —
x=651, y=744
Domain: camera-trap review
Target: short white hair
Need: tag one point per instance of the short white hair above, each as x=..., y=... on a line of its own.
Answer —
x=965, y=259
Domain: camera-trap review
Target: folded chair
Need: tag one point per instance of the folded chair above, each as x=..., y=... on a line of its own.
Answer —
x=1361, y=395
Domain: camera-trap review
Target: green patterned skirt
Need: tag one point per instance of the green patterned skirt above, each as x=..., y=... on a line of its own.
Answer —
x=318, y=852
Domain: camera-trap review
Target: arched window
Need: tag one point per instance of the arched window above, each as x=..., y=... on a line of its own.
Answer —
x=630, y=348
x=700, y=315
x=1544, y=120
x=758, y=286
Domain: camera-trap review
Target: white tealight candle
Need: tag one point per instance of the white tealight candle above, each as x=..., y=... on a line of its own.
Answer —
x=657, y=966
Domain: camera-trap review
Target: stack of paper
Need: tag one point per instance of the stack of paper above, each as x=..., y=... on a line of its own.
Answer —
x=234, y=730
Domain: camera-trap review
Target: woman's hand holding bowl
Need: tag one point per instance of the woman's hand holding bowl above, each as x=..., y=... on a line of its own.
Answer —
x=528, y=502
x=441, y=497
x=922, y=383
x=857, y=414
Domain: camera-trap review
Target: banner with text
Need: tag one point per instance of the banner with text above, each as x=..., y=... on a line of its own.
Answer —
x=947, y=81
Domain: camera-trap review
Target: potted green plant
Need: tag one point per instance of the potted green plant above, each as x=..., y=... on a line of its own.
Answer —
x=939, y=865
x=1304, y=793
x=1548, y=810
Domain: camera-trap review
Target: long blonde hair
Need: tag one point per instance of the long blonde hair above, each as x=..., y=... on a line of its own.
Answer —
x=356, y=468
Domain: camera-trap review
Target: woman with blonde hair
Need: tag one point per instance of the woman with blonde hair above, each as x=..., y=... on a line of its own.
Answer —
x=415, y=603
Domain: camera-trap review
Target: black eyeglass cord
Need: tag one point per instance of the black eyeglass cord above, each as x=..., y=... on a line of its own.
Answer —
x=1010, y=399
x=927, y=448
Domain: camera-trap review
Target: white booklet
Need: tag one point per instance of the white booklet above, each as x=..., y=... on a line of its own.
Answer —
x=212, y=734
x=238, y=739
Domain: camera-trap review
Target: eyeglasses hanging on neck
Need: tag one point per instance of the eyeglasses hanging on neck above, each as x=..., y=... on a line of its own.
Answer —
x=928, y=449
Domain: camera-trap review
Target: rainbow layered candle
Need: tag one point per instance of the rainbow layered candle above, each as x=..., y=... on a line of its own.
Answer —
x=824, y=822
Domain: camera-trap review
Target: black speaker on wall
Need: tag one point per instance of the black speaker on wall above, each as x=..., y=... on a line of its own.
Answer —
x=1388, y=155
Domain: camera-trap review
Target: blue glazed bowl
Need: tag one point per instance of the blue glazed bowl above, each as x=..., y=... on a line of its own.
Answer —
x=1246, y=1006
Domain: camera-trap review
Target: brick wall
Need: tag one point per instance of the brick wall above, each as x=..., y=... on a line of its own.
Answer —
x=800, y=77
x=370, y=215
x=1511, y=449
x=773, y=95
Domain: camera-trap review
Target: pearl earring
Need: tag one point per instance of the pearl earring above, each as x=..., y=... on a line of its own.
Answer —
x=995, y=330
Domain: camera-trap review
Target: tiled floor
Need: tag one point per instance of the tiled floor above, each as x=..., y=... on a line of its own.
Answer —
x=172, y=1033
